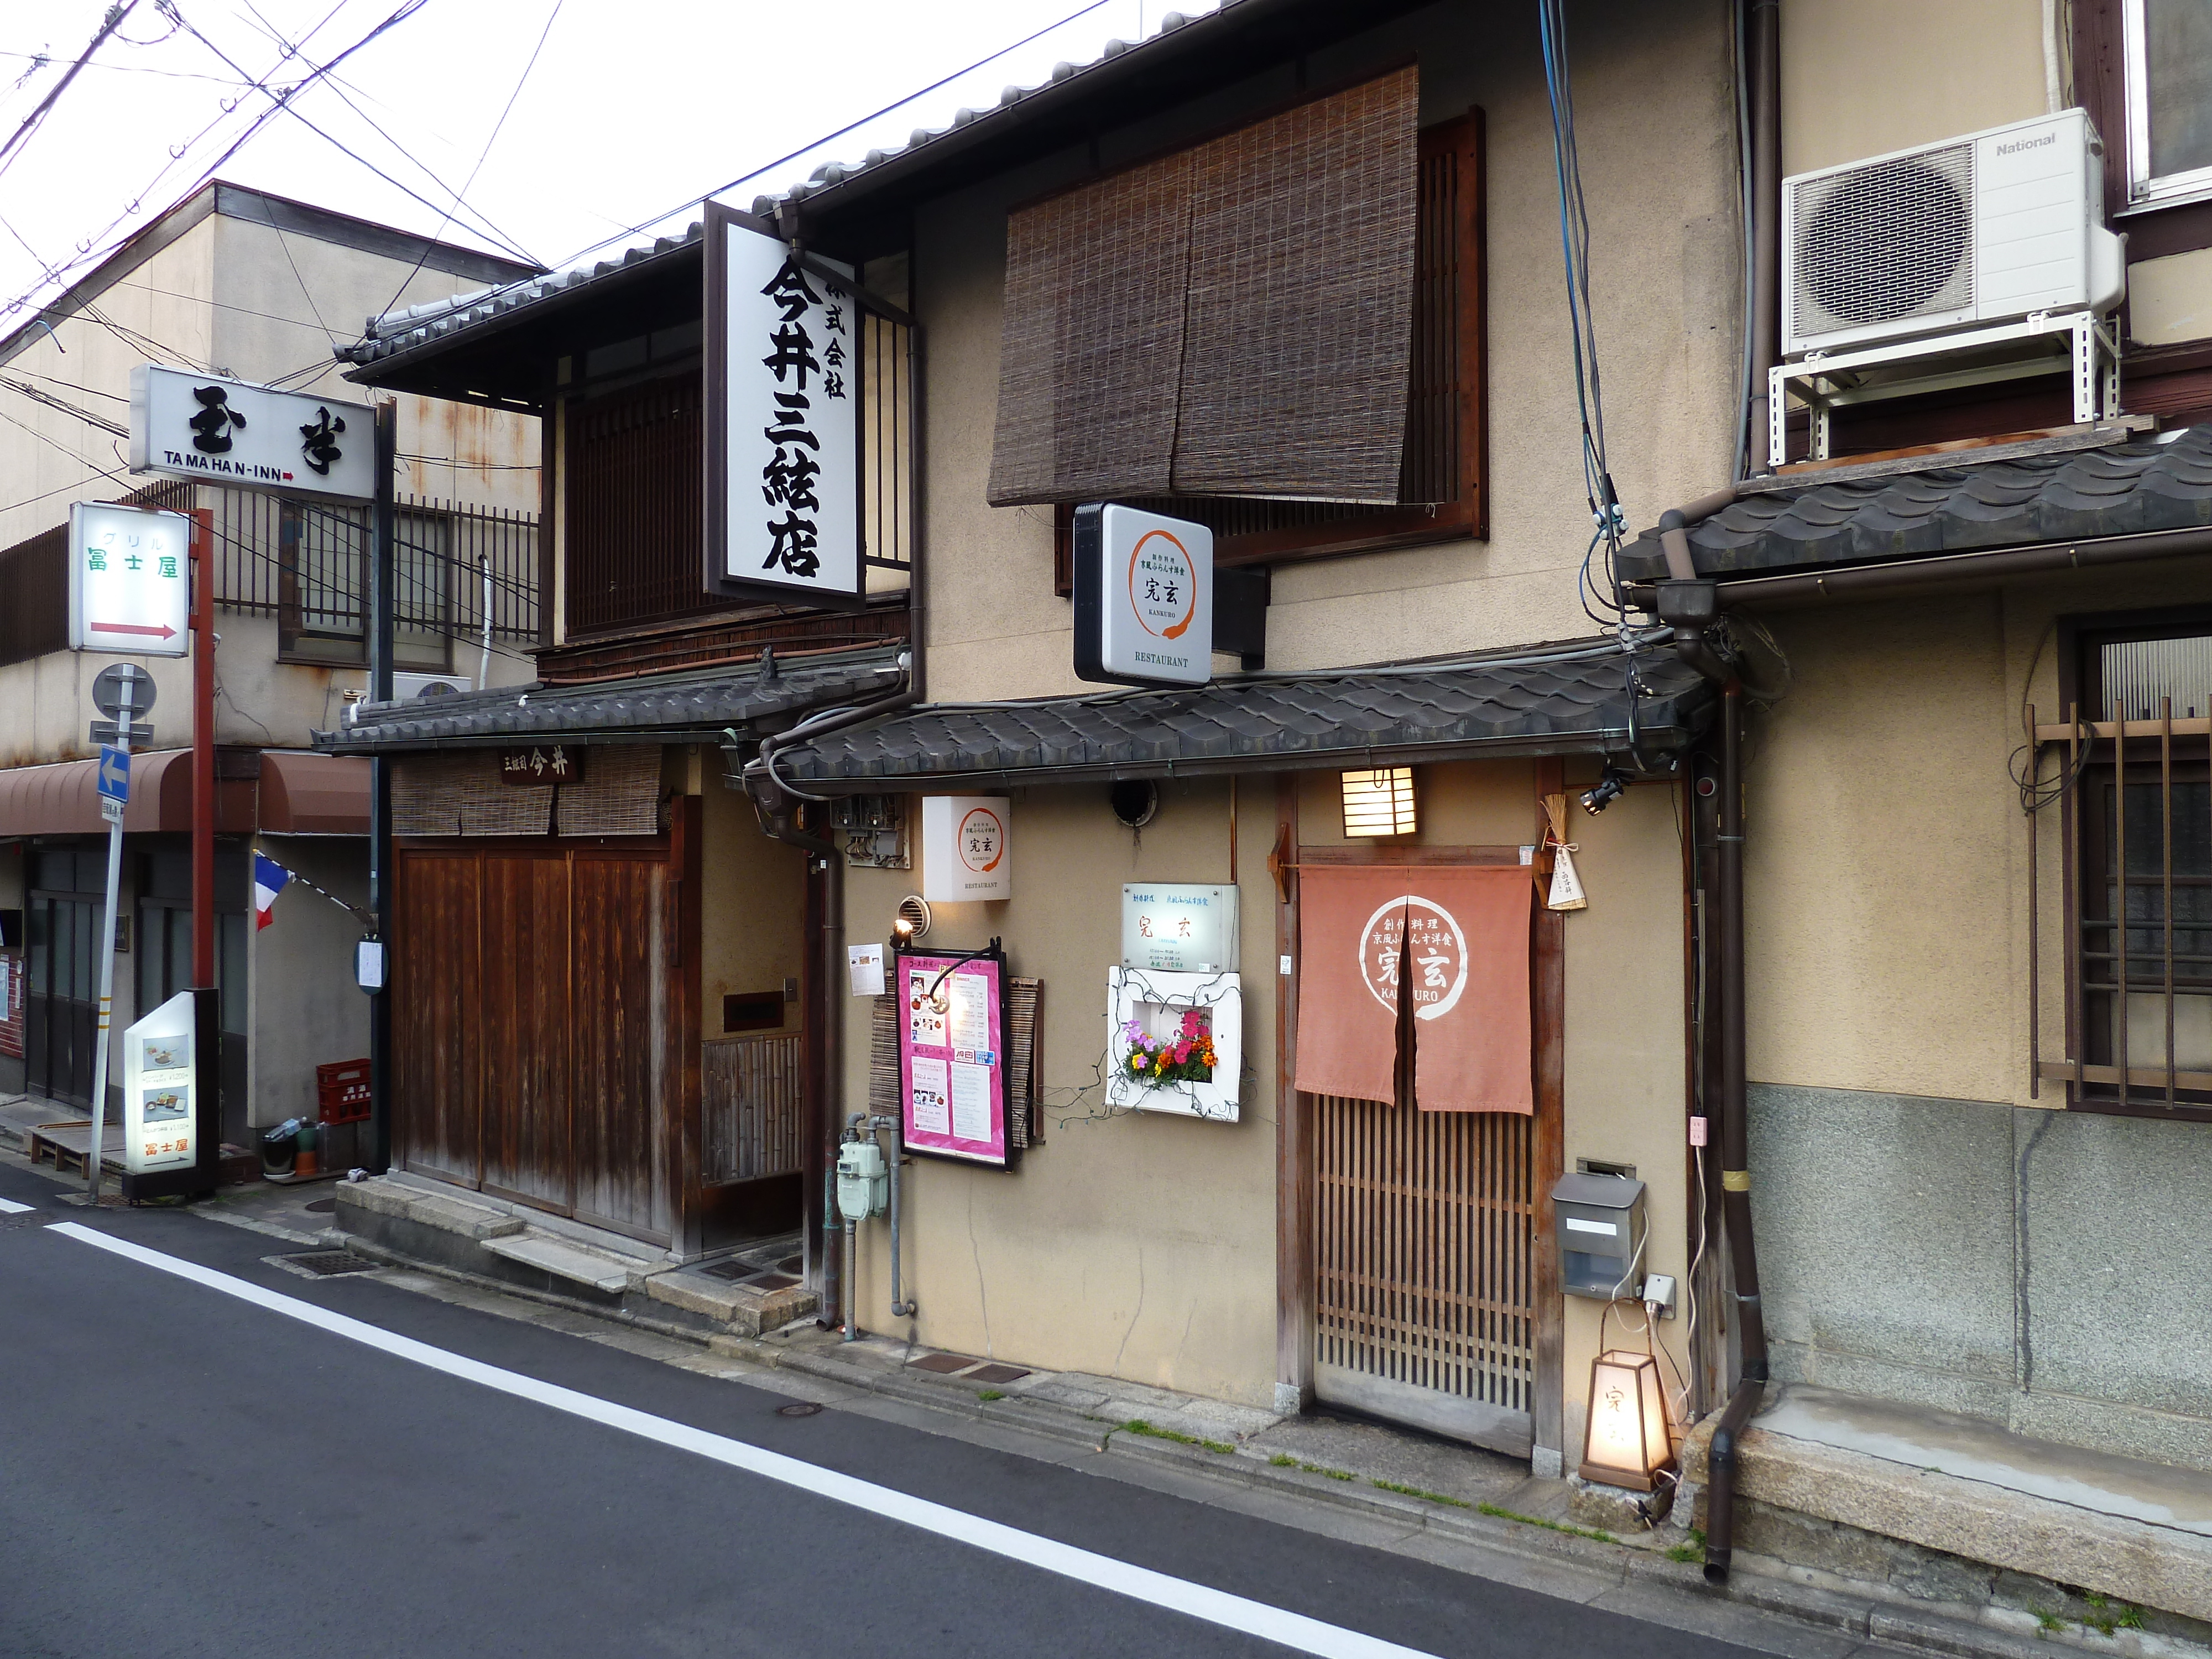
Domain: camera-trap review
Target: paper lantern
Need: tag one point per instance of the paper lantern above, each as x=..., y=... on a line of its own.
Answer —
x=1379, y=803
x=1627, y=1444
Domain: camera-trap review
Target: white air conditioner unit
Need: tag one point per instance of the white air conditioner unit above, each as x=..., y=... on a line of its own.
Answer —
x=1985, y=228
x=406, y=688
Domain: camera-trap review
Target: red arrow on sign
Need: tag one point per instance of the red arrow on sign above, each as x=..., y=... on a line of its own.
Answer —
x=164, y=630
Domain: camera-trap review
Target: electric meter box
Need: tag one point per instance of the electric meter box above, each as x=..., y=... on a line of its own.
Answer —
x=1599, y=1218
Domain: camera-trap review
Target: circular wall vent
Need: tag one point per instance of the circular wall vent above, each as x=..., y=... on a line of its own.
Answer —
x=1134, y=801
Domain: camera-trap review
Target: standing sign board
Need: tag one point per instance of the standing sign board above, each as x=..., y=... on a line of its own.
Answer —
x=1144, y=598
x=213, y=430
x=783, y=419
x=952, y=1058
x=130, y=581
x=172, y=1108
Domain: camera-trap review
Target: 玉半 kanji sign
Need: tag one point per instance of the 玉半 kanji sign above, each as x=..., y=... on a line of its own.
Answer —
x=203, y=427
x=130, y=581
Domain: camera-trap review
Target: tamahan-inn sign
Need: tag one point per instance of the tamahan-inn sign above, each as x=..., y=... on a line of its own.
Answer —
x=213, y=430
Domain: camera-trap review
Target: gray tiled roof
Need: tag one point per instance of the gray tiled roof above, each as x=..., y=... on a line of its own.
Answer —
x=418, y=326
x=1352, y=718
x=686, y=708
x=2147, y=484
x=396, y=331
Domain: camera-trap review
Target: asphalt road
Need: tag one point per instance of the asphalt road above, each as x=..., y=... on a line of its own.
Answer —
x=185, y=1473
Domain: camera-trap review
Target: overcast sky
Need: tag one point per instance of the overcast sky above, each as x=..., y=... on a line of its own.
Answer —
x=631, y=108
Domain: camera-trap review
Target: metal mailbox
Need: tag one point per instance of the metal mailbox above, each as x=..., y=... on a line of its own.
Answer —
x=1599, y=1218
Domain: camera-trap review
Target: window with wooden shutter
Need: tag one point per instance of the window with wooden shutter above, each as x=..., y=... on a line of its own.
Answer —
x=1230, y=319
x=1445, y=452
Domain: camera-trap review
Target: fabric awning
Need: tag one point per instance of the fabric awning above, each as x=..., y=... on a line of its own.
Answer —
x=298, y=794
x=1233, y=318
x=304, y=794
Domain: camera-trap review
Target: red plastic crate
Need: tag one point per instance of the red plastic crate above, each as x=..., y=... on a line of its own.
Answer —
x=342, y=1091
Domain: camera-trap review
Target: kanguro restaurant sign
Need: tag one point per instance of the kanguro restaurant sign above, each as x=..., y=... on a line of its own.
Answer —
x=213, y=430
x=1144, y=598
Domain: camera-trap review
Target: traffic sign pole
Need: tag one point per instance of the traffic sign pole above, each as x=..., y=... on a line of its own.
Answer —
x=114, y=810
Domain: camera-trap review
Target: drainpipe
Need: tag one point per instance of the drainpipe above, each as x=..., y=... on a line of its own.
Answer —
x=775, y=804
x=900, y=1309
x=1735, y=1175
x=1763, y=46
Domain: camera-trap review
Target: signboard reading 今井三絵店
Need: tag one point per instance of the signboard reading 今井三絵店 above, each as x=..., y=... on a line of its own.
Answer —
x=783, y=417
x=952, y=1060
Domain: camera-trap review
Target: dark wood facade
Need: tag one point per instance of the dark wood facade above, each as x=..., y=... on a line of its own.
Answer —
x=546, y=1036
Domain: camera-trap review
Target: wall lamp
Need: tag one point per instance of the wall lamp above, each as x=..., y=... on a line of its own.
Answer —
x=912, y=920
x=1379, y=803
x=1612, y=785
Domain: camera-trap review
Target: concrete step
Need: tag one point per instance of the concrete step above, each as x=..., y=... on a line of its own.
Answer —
x=1914, y=1497
x=746, y=1308
x=449, y=1212
x=602, y=1270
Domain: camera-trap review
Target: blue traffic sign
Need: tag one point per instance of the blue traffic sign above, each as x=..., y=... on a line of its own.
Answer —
x=114, y=772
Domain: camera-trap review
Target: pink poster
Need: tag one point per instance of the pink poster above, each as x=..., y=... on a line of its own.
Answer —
x=952, y=1060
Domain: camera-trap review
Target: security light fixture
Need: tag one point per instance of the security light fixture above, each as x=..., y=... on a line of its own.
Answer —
x=1380, y=802
x=1612, y=785
x=1627, y=1443
x=912, y=920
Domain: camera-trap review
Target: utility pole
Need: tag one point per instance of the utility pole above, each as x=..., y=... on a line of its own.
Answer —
x=380, y=786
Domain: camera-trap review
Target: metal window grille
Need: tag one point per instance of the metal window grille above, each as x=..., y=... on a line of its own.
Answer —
x=2133, y=778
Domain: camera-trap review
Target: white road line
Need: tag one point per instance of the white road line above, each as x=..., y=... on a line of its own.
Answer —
x=9, y=1207
x=1236, y=1612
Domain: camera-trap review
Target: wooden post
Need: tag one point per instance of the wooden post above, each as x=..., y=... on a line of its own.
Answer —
x=1548, y=1005
x=1294, y=1157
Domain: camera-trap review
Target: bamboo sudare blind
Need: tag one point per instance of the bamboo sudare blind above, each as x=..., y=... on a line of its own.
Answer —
x=1232, y=319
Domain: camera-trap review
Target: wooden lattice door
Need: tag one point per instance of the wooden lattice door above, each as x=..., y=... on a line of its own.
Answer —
x=1425, y=1266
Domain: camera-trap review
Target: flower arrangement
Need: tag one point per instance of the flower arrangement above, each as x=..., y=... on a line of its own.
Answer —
x=1185, y=1056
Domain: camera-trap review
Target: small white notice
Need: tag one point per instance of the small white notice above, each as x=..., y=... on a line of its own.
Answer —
x=972, y=1101
x=1576, y=1224
x=971, y=1016
x=866, y=965
x=931, y=1097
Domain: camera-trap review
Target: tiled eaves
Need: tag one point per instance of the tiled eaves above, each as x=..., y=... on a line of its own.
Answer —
x=1308, y=721
x=2146, y=485
x=693, y=706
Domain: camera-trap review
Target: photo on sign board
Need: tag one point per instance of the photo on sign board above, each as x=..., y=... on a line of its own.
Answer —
x=164, y=1105
x=164, y=1054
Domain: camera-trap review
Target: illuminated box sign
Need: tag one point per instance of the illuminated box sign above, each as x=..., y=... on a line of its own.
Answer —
x=213, y=430
x=1144, y=598
x=967, y=848
x=1177, y=927
x=160, y=1114
x=130, y=581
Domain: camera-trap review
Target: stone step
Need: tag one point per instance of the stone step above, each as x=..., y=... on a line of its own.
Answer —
x=746, y=1308
x=602, y=1270
x=446, y=1211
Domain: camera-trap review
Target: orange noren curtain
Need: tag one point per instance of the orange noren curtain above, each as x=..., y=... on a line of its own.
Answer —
x=1456, y=937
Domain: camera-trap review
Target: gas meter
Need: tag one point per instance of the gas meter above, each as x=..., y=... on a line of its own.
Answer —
x=863, y=1180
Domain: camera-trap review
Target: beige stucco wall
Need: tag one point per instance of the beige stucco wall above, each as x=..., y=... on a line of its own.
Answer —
x=1886, y=868
x=1665, y=287
x=304, y=1010
x=752, y=899
x=1862, y=77
x=1137, y=1245
x=50, y=457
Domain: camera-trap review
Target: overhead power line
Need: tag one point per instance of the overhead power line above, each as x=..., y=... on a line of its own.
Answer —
x=15, y=140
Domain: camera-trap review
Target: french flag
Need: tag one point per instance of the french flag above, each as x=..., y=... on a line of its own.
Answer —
x=269, y=880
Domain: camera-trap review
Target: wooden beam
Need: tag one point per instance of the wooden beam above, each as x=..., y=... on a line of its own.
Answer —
x=1547, y=1152
x=1294, y=1152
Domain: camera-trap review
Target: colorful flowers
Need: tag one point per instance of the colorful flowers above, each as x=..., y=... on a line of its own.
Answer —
x=1186, y=1055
